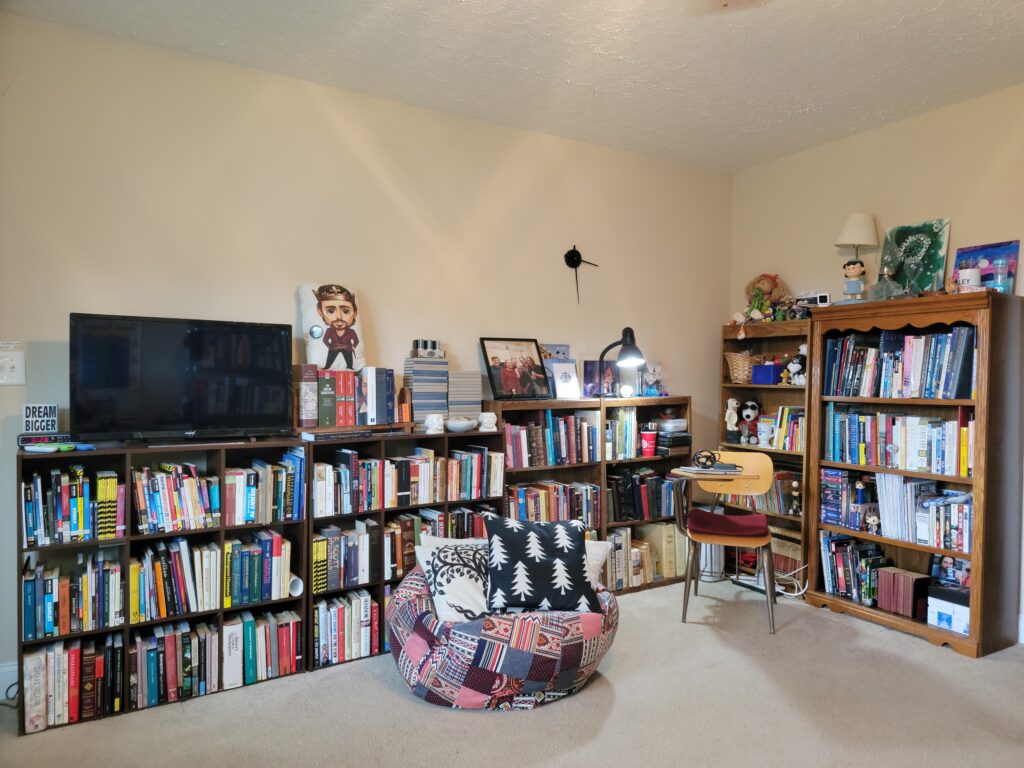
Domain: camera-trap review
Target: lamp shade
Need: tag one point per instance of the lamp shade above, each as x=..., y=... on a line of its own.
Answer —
x=858, y=230
x=630, y=355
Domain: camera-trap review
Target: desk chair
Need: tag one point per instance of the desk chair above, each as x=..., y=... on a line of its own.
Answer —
x=749, y=531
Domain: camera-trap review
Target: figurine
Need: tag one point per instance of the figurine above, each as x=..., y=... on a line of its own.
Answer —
x=853, y=271
x=785, y=376
x=794, y=506
x=732, y=417
x=748, y=429
x=764, y=292
x=797, y=368
x=434, y=422
x=872, y=521
x=488, y=422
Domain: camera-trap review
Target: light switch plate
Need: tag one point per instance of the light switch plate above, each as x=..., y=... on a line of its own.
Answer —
x=12, y=363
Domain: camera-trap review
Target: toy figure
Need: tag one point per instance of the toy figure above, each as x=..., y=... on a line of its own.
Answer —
x=854, y=270
x=763, y=293
x=337, y=307
x=872, y=522
x=794, y=506
x=785, y=376
x=796, y=368
x=732, y=417
x=748, y=429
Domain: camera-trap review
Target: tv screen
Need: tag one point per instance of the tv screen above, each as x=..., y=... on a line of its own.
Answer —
x=143, y=377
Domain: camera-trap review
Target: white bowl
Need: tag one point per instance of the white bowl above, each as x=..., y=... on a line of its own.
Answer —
x=460, y=425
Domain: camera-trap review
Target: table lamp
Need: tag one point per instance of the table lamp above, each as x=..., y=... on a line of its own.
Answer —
x=630, y=356
x=857, y=231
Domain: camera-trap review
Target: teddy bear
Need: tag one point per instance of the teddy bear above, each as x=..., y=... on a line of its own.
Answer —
x=748, y=428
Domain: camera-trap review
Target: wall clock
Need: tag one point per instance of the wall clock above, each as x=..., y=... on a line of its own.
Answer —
x=573, y=260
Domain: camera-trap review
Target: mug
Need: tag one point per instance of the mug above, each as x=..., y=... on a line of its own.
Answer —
x=970, y=277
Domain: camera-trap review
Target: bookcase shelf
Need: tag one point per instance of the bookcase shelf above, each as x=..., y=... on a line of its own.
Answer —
x=172, y=619
x=761, y=449
x=769, y=387
x=596, y=472
x=73, y=635
x=998, y=323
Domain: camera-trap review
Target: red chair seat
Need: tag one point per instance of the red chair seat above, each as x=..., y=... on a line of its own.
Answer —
x=708, y=523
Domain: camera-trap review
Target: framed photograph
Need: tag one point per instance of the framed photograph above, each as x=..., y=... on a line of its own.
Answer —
x=992, y=266
x=951, y=571
x=515, y=369
x=567, y=382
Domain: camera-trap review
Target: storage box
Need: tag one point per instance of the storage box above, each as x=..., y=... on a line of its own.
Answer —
x=950, y=608
x=766, y=374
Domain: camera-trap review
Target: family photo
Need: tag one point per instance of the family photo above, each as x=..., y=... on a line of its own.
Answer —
x=514, y=369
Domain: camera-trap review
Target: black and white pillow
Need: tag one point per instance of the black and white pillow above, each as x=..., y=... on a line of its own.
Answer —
x=538, y=566
x=456, y=573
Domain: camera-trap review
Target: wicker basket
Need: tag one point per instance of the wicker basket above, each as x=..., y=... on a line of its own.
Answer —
x=740, y=366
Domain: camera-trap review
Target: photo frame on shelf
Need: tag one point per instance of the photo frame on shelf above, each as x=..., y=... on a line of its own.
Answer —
x=515, y=369
x=566, y=379
x=975, y=267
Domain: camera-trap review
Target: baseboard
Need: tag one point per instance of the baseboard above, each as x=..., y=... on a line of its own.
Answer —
x=1020, y=629
x=9, y=674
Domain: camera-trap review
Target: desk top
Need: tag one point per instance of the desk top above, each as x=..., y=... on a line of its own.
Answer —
x=693, y=473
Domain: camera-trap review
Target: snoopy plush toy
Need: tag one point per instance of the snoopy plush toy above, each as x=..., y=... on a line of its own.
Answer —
x=751, y=410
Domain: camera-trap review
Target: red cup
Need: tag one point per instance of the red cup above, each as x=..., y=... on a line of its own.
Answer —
x=647, y=443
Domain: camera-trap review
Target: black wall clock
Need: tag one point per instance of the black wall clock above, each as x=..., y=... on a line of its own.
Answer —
x=573, y=260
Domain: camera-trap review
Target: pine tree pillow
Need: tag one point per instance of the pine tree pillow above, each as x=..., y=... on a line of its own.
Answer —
x=538, y=566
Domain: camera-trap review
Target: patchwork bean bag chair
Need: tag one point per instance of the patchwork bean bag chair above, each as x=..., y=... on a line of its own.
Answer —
x=503, y=661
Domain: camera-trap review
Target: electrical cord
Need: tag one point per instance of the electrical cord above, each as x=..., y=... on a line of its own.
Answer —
x=11, y=701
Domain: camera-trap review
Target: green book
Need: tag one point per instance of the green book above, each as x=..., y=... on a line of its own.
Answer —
x=248, y=648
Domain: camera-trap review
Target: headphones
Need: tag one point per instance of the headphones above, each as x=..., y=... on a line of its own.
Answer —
x=705, y=459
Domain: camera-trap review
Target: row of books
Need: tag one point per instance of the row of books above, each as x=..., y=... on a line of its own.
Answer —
x=427, y=379
x=785, y=431
x=174, y=497
x=902, y=365
x=71, y=506
x=641, y=494
x=68, y=682
x=569, y=439
x=645, y=554
x=621, y=434
x=459, y=523
x=55, y=604
x=261, y=647
x=173, y=580
x=172, y=662
x=345, y=628
x=900, y=441
x=258, y=570
x=549, y=501
x=849, y=567
x=266, y=492
x=777, y=500
x=346, y=558
x=331, y=398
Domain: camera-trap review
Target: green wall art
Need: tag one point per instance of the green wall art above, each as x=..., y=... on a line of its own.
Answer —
x=920, y=252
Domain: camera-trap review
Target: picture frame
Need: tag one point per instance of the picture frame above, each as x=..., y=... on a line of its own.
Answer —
x=566, y=378
x=515, y=369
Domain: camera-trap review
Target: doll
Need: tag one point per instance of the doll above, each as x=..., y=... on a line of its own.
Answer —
x=853, y=271
x=748, y=428
x=732, y=417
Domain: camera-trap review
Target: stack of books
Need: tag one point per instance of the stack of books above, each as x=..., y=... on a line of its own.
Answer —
x=172, y=662
x=427, y=379
x=621, y=437
x=71, y=506
x=266, y=492
x=776, y=501
x=571, y=439
x=903, y=592
x=258, y=571
x=81, y=599
x=345, y=628
x=641, y=494
x=548, y=501
x=462, y=522
x=346, y=558
x=175, y=498
x=465, y=391
x=673, y=443
x=174, y=580
x=258, y=648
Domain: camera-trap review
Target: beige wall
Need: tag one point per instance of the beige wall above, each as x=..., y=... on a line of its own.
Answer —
x=137, y=181
x=965, y=162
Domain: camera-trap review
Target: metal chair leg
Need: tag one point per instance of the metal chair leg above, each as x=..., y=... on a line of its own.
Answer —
x=769, y=584
x=687, y=581
x=695, y=559
x=770, y=573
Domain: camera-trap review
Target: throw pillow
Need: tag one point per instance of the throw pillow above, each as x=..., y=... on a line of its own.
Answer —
x=456, y=574
x=597, y=555
x=538, y=566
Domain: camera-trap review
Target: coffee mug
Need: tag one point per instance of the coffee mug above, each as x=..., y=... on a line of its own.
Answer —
x=969, y=277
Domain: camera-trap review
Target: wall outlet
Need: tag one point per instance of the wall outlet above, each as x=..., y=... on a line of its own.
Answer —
x=12, y=363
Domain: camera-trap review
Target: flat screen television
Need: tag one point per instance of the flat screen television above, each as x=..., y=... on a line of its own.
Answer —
x=158, y=377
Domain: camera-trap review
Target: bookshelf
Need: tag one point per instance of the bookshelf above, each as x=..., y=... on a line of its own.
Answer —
x=598, y=412
x=210, y=460
x=994, y=557
x=775, y=339
x=382, y=445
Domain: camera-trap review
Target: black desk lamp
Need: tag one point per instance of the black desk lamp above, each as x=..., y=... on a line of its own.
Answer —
x=630, y=356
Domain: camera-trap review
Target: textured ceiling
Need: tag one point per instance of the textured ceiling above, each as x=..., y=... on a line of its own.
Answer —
x=721, y=87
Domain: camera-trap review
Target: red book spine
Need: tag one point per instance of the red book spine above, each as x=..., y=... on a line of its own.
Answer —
x=171, y=665
x=348, y=383
x=339, y=397
x=74, y=682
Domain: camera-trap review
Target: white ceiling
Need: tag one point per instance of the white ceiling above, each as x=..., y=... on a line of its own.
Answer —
x=688, y=79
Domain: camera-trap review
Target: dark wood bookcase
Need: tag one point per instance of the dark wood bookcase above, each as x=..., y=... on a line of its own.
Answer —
x=998, y=321
x=596, y=472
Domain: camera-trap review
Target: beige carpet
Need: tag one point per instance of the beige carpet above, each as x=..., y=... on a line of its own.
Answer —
x=825, y=690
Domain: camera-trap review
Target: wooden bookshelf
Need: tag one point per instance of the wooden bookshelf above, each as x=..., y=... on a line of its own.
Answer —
x=211, y=459
x=997, y=458
x=596, y=472
x=775, y=339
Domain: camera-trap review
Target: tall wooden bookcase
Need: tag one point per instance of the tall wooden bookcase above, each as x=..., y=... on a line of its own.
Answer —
x=776, y=339
x=997, y=459
x=647, y=409
x=211, y=459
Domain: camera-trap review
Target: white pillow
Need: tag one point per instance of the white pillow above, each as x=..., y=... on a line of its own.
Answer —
x=597, y=554
x=456, y=572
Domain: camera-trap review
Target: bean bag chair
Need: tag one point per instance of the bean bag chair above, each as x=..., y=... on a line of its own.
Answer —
x=503, y=661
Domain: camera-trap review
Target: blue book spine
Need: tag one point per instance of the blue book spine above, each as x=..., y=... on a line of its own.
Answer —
x=265, y=587
x=521, y=498
x=151, y=682
x=28, y=608
x=48, y=610
x=236, y=575
x=243, y=588
x=87, y=512
x=390, y=405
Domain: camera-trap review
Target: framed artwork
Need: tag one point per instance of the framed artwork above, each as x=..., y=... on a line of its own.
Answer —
x=978, y=264
x=515, y=370
x=330, y=327
x=920, y=250
x=567, y=382
x=951, y=571
x=551, y=354
x=653, y=379
x=618, y=382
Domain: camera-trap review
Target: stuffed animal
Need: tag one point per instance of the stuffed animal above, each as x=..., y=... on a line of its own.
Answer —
x=797, y=370
x=763, y=293
x=751, y=410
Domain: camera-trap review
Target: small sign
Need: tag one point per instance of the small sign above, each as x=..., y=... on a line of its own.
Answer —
x=40, y=418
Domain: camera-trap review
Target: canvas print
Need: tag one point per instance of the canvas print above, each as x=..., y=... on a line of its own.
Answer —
x=920, y=249
x=997, y=263
x=514, y=369
x=331, y=327
x=951, y=571
x=624, y=382
x=567, y=382
x=653, y=377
